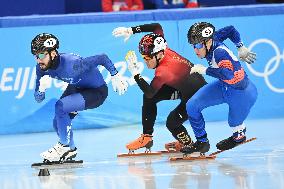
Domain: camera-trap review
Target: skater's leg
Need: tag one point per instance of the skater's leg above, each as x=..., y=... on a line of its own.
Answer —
x=209, y=95
x=69, y=90
x=149, y=109
x=63, y=107
x=174, y=124
x=93, y=99
x=55, y=126
x=240, y=103
x=84, y=99
x=149, y=114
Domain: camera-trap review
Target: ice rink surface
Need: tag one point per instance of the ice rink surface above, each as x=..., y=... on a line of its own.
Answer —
x=255, y=165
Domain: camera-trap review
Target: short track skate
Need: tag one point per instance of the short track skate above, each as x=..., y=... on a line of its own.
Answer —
x=202, y=156
x=46, y=165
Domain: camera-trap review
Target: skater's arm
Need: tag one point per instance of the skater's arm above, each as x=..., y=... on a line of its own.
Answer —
x=39, y=74
x=166, y=92
x=157, y=87
x=243, y=52
x=147, y=89
x=231, y=33
x=153, y=27
x=96, y=60
x=127, y=32
x=39, y=95
x=225, y=70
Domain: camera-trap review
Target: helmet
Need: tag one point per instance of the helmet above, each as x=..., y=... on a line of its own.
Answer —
x=44, y=42
x=199, y=32
x=151, y=44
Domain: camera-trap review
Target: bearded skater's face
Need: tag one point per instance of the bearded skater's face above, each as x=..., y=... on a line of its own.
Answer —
x=44, y=59
x=200, y=48
x=152, y=61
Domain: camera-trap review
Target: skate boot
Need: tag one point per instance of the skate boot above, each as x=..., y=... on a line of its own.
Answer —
x=59, y=152
x=182, y=139
x=197, y=146
x=229, y=143
x=71, y=154
x=174, y=146
x=237, y=138
x=145, y=140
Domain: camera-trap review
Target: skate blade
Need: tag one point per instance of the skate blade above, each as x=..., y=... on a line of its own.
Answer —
x=139, y=154
x=58, y=164
x=169, y=151
x=192, y=158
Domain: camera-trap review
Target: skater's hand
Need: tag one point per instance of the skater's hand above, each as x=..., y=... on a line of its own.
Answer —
x=131, y=60
x=119, y=84
x=44, y=83
x=246, y=55
x=122, y=32
x=39, y=96
x=198, y=68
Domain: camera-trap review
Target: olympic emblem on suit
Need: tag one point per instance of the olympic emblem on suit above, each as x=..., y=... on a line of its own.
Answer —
x=271, y=66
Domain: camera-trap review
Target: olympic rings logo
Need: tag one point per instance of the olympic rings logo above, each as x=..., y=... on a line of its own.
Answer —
x=271, y=66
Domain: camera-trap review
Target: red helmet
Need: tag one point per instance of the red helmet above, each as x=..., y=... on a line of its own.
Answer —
x=151, y=44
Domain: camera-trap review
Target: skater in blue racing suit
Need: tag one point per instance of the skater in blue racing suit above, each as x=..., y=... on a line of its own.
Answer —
x=232, y=86
x=86, y=88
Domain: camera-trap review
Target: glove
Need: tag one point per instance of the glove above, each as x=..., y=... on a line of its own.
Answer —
x=122, y=32
x=39, y=96
x=131, y=60
x=246, y=55
x=119, y=84
x=44, y=83
x=198, y=68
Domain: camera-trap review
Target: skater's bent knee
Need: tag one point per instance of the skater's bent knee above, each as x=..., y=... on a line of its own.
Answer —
x=59, y=108
x=192, y=106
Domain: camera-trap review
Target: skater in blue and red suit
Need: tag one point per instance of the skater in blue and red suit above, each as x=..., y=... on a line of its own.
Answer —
x=172, y=81
x=232, y=86
x=86, y=88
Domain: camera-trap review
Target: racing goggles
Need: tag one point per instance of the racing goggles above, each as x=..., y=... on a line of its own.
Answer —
x=198, y=45
x=41, y=55
x=146, y=57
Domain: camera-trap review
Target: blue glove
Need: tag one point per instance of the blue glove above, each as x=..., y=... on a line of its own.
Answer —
x=39, y=96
